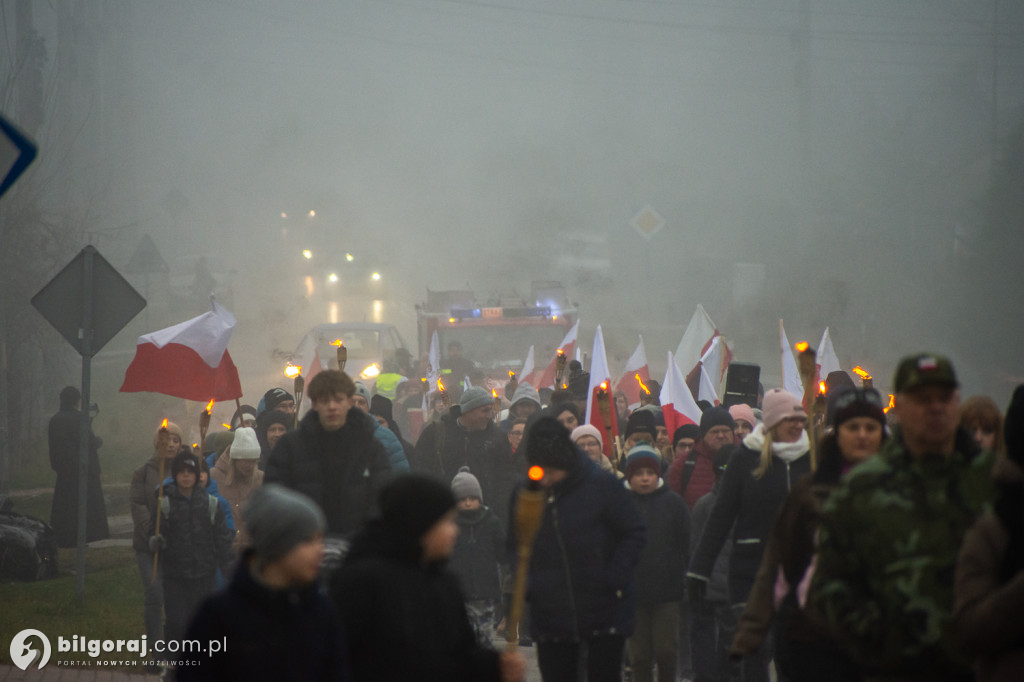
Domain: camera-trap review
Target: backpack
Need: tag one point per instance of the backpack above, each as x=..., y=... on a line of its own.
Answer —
x=165, y=507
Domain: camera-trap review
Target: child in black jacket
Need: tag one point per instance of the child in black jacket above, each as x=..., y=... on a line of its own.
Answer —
x=479, y=550
x=194, y=541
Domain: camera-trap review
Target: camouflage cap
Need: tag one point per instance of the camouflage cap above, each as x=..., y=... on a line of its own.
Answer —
x=924, y=369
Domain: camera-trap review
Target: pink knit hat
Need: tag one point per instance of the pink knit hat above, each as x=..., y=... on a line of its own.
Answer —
x=587, y=430
x=743, y=411
x=780, y=404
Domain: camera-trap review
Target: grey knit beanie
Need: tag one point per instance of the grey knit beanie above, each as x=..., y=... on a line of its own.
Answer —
x=278, y=519
x=475, y=397
x=466, y=484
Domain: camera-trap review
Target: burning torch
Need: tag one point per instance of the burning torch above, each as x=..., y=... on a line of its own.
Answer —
x=204, y=422
x=560, y=363
x=865, y=378
x=342, y=353
x=298, y=385
x=512, y=385
x=813, y=399
x=528, y=516
x=604, y=405
x=497, y=406
x=645, y=393
x=446, y=399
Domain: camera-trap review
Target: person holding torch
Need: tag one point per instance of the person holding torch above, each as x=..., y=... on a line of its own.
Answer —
x=580, y=579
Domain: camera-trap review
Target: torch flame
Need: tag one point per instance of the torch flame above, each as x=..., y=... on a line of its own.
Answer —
x=337, y=342
x=163, y=424
x=861, y=372
x=209, y=406
x=604, y=385
x=822, y=388
x=226, y=426
x=494, y=393
x=802, y=346
x=535, y=473
x=440, y=385
x=643, y=386
x=892, y=403
x=561, y=352
x=292, y=371
x=511, y=375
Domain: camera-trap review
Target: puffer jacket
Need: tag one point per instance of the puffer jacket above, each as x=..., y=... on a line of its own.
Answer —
x=342, y=471
x=196, y=544
x=581, y=583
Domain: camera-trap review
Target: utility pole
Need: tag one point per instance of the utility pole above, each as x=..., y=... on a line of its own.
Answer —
x=994, y=142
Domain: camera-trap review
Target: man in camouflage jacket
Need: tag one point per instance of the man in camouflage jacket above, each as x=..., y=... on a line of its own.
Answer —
x=890, y=534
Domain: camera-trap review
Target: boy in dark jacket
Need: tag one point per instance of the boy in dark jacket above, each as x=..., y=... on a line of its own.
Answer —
x=662, y=562
x=402, y=610
x=478, y=553
x=273, y=620
x=194, y=541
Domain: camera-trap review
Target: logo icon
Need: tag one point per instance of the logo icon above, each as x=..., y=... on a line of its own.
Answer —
x=26, y=651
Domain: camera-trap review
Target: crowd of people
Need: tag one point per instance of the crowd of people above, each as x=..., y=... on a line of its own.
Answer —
x=891, y=547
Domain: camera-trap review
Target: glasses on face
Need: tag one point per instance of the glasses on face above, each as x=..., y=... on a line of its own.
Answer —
x=516, y=434
x=719, y=432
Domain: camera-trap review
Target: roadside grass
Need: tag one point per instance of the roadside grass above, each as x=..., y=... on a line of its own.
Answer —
x=112, y=607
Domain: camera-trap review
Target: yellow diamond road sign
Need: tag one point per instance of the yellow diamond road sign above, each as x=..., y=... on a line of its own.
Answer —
x=647, y=222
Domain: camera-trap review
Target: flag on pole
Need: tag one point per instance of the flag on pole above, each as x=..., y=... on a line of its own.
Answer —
x=636, y=376
x=790, y=372
x=526, y=373
x=189, y=360
x=706, y=388
x=696, y=339
x=598, y=371
x=828, y=361
x=547, y=378
x=609, y=432
x=677, y=403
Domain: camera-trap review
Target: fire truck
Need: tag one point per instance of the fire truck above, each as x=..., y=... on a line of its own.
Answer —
x=496, y=333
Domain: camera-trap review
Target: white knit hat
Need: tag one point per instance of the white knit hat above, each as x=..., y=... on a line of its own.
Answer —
x=245, y=445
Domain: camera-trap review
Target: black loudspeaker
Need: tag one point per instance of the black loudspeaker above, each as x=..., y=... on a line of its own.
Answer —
x=741, y=383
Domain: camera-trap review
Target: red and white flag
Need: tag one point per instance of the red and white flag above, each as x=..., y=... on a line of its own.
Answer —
x=527, y=372
x=637, y=375
x=677, y=403
x=790, y=372
x=696, y=339
x=828, y=361
x=189, y=360
x=547, y=378
x=599, y=372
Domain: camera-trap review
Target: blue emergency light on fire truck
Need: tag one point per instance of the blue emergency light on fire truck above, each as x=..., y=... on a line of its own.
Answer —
x=497, y=331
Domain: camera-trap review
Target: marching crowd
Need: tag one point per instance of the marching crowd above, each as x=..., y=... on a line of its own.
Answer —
x=889, y=548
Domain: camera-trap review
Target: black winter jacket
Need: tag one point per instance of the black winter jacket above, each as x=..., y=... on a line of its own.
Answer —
x=405, y=620
x=444, y=447
x=196, y=546
x=581, y=570
x=751, y=504
x=663, y=561
x=341, y=470
x=479, y=549
x=270, y=634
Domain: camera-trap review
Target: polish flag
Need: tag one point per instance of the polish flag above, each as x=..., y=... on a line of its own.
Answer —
x=547, y=378
x=526, y=374
x=790, y=372
x=189, y=360
x=706, y=388
x=696, y=339
x=828, y=361
x=636, y=377
x=677, y=403
x=598, y=371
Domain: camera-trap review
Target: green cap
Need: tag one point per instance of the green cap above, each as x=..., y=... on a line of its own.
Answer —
x=924, y=369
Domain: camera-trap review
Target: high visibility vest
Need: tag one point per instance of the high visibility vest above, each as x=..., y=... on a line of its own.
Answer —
x=387, y=384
